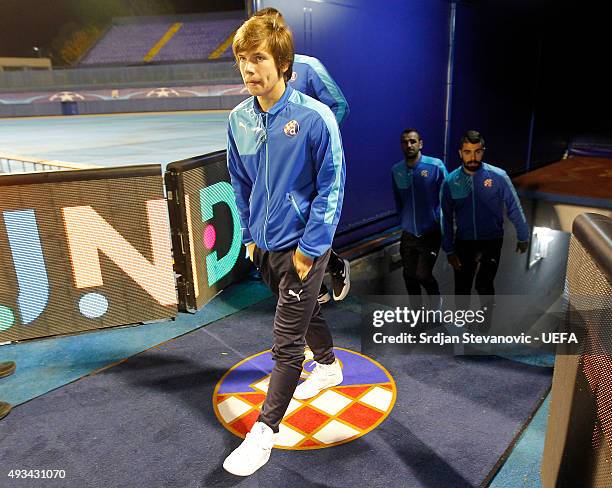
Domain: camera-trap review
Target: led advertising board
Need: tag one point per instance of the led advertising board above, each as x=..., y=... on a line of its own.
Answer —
x=83, y=250
x=206, y=233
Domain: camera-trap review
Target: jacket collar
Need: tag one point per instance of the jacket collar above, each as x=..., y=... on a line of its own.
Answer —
x=278, y=106
x=418, y=161
x=480, y=171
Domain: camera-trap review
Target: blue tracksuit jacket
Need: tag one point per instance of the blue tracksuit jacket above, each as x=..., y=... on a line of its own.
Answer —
x=310, y=77
x=417, y=194
x=475, y=204
x=287, y=170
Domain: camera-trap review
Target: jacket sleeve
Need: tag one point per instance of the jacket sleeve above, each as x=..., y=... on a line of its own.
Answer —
x=326, y=151
x=242, y=185
x=441, y=176
x=327, y=91
x=447, y=219
x=514, y=209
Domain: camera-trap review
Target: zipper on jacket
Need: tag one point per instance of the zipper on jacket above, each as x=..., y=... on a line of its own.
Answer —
x=296, y=208
x=267, y=185
x=413, y=180
x=474, y=208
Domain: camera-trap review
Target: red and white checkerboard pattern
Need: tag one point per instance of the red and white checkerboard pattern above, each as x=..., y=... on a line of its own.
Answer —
x=335, y=416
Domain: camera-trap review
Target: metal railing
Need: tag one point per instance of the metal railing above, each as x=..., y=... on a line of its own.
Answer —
x=102, y=77
x=11, y=163
x=578, y=448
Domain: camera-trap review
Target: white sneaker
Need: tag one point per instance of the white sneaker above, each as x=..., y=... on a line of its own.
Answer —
x=324, y=295
x=323, y=376
x=253, y=453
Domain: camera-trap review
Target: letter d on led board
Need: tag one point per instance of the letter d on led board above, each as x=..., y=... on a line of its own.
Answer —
x=222, y=192
x=205, y=228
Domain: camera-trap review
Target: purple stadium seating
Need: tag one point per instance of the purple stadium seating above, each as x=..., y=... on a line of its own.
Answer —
x=197, y=40
x=126, y=43
x=129, y=43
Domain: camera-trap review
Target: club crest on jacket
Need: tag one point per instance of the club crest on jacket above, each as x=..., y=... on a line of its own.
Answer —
x=292, y=128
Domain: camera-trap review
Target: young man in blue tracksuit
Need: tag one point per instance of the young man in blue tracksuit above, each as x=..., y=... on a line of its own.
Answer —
x=416, y=182
x=473, y=198
x=310, y=77
x=287, y=169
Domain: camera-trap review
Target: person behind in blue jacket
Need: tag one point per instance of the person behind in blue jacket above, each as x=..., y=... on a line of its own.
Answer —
x=416, y=182
x=473, y=198
x=287, y=169
x=311, y=78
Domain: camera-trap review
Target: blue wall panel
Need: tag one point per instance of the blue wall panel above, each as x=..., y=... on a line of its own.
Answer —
x=495, y=80
x=390, y=61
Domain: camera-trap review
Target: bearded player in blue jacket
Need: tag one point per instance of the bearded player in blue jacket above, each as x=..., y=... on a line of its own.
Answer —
x=416, y=182
x=473, y=198
x=311, y=78
x=287, y=169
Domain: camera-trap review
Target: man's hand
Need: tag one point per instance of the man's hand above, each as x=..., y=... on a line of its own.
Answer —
x=302, y=264
x=522, y=246
x=251, y=250
x=453, y=260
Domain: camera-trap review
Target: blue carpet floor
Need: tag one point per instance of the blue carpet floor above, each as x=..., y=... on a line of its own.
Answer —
x=46, y=364
x=148, y=421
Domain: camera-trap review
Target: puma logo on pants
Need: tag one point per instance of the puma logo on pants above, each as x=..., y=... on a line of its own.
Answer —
x=296, y=295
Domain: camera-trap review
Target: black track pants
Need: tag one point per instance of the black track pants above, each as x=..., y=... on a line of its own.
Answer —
x=297, y=322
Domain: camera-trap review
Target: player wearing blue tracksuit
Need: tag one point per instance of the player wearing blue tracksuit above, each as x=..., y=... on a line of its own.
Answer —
x=310, y=77
x=286, y=164
x=272, y=158
x=416, y=190
x=472, y=199
x=416, y=182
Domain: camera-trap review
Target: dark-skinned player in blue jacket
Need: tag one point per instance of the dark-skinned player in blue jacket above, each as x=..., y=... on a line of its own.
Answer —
x=473, y=198
x=416, y=182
